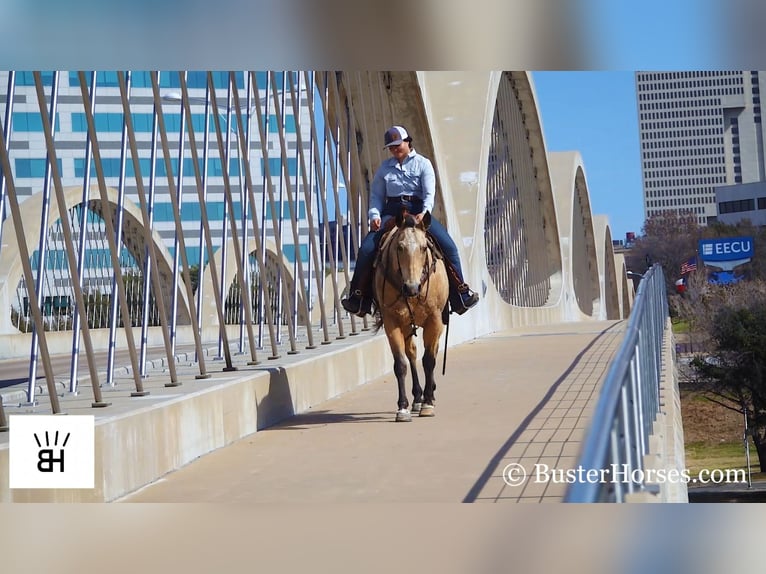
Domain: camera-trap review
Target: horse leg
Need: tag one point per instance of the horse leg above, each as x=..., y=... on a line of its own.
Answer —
x=417, y=390
x=431, y=334
x=396, y=342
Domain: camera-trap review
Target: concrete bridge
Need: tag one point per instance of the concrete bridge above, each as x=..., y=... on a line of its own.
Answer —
x=207, y=363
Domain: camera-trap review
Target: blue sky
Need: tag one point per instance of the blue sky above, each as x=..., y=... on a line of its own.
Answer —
x=595, y=113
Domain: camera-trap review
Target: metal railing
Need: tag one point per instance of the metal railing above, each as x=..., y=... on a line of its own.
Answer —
x=612, y=456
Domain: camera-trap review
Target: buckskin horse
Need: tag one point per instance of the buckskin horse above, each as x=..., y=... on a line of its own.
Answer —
x=411, y=291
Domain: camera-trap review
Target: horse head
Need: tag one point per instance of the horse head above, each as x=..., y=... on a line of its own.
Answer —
x=412, y=252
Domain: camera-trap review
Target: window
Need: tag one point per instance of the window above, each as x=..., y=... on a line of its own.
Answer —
x=289, y=252
x=103, y=79
x=27, y=78
x=275, y=166
x=105, y=122
x=33, y=167
x=736, y=206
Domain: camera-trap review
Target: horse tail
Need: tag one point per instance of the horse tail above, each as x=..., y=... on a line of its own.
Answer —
x=378, y=322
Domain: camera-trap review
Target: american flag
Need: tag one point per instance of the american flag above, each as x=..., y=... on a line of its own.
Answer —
x=689, y=265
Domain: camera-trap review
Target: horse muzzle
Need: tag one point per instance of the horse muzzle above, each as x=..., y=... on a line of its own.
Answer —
x=410, y=289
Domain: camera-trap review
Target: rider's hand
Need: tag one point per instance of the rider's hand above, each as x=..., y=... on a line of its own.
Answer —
x=419, y=217
x=375, y=224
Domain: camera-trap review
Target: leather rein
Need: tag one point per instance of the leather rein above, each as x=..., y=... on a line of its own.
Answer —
x=429, y=268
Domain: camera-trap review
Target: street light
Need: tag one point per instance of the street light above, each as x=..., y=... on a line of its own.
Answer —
x=634, y=275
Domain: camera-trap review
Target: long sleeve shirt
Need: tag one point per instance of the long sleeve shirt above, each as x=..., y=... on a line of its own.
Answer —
x=415, y=176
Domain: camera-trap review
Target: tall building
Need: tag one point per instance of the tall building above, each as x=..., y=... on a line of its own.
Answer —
x=275, y=163
x=698, y=131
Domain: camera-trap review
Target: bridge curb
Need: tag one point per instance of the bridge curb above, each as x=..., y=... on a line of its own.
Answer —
x=139, y=446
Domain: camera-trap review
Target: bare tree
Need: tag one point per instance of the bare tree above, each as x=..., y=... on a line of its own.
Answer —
x=668, y=239
x=732, y=369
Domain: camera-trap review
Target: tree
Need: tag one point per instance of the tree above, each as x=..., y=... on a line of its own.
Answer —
x=732, y=372
x=668, y=239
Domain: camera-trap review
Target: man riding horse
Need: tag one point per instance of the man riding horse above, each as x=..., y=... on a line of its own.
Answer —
x=406, y=181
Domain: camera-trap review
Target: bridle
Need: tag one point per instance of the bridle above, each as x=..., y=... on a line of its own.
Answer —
x=429, y=268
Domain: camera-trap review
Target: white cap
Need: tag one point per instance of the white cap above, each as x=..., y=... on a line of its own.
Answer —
x=395, y=136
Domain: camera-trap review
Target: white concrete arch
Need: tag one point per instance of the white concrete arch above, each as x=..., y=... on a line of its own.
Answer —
x=607, y=274
x=577, y=234
x=624, y=285
x=11, y=270
x=209, y=312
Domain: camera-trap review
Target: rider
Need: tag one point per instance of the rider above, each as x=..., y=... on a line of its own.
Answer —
x=405, y=180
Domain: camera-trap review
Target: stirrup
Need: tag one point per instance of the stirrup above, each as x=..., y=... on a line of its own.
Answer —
x=467, y=298
x=353, y=303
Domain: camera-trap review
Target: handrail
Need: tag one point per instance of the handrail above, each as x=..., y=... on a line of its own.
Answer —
x=613, y=451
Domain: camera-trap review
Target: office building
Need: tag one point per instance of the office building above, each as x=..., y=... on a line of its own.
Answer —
x=278, y=155
x=698, y=131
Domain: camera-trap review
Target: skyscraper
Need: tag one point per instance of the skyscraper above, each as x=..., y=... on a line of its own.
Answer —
x=698, y=130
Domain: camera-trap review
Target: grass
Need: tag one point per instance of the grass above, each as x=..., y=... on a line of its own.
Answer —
x=723, y=456
x=680, y=326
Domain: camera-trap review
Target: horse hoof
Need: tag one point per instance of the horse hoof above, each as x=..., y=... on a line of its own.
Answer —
x=416, y=407
x=427, y=411
x=403, y=416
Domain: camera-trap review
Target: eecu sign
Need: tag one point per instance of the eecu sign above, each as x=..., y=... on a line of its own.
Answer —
x=726, y=249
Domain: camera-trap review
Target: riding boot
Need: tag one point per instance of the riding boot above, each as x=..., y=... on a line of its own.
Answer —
x=359, y=301
x=461, y=296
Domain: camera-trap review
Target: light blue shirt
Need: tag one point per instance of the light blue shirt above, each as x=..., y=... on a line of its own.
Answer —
x=415, y=176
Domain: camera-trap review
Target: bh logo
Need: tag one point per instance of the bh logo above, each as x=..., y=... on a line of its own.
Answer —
x=46, y=457
x=51, y=451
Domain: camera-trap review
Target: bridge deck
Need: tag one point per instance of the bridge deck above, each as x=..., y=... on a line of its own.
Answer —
x=523, y=396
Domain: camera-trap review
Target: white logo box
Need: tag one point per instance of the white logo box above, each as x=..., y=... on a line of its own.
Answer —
x=51, y=451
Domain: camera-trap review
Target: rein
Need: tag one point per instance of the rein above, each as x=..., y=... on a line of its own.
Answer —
x=425, y=277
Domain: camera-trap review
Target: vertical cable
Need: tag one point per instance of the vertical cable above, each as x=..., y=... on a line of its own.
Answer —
x=232, y=216
x=177, y=214
x=299, y=277
x=323, y=197
x=179, y=230
x=306, y=172
x=114, y=315
x=202, y=202
x=274, y=214
x=42, y=245
x=150, y=253
x=208, y=235
x=8, y=129
x=151, y=247
x=109, y=218
x=18, y=225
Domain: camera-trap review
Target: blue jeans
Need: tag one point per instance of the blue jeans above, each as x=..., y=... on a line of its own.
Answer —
x=366, y=255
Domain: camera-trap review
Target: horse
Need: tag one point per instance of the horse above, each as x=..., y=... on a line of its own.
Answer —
x=411, y=290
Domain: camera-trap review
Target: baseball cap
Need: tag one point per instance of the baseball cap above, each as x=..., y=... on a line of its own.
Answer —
x=395, y=135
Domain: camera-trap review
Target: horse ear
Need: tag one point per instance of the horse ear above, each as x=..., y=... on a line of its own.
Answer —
x=401, y=216
x=426, y=220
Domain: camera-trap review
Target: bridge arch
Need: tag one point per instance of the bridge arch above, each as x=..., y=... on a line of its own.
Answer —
x=11, y=271
x=209, y=312
x=607, y=272
x=523, y=254
x=577, y=234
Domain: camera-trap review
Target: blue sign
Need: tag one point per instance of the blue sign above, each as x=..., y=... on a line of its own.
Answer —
x=726, y=249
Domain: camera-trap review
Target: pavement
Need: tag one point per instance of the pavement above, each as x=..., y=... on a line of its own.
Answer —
x=522, y=397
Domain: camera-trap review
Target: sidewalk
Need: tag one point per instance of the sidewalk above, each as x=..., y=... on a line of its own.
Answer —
x=522, y=396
